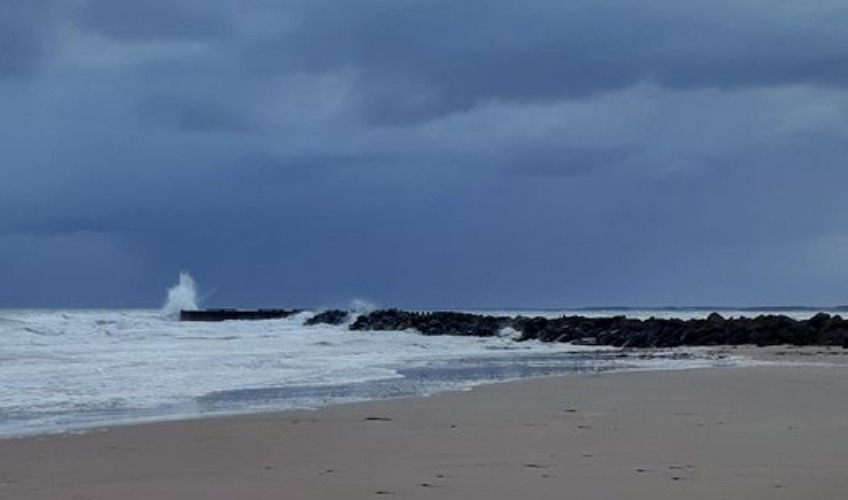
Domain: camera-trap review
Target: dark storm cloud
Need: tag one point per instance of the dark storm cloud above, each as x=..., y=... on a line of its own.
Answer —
x=190, y=114
x=551, y=161
x=420, y=59
x=18, y=54
x=157, y=19
x=26, y=34
x=423, y=153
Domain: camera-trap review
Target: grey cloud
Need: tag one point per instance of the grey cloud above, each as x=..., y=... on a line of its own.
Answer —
x=158, y=19
x=17, y=53
x=422, y=59
x=534, y=154
x=188, y=114
x=319, y=168
x=26, y=35
x=89, y=262
x=550, y=161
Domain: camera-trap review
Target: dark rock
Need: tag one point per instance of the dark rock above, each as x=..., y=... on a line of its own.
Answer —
x=332, y=317
x=834, y=337
x=433, y=323
x=235, y=314
x=715, y=318
x=620, y=331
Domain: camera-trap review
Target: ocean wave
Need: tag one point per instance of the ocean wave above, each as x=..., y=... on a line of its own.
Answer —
x=87, y=368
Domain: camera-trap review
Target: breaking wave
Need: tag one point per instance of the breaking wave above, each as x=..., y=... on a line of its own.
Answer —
x=182, y=296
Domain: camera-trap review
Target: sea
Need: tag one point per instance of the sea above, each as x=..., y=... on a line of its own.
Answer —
x=79, y=370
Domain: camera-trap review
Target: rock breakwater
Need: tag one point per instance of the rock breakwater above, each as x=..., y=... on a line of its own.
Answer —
x=619, y=331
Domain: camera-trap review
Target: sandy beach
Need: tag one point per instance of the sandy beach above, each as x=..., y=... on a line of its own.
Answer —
x=765, y=432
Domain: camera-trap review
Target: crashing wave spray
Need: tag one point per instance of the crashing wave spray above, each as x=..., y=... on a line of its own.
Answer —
x=181, y=296
x=362, y=306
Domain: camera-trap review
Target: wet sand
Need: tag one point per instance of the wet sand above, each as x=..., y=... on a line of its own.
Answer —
x=767, y=432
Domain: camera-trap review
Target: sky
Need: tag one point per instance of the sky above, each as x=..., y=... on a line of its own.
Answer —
x=424, y=153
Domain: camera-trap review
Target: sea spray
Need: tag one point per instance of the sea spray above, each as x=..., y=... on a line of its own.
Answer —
x=182, y=296
x=362, y=306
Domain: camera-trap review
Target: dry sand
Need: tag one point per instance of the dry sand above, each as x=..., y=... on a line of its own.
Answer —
x=768, y=432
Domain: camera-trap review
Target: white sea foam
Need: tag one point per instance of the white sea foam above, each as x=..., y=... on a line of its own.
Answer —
x=61, y=369
x=56, y=365
x=510, y=333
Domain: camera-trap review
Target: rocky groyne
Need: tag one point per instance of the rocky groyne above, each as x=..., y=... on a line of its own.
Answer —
x=234, y=314
x=619, y=331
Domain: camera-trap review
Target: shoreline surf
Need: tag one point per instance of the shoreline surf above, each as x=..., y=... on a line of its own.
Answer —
x=698, y=434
